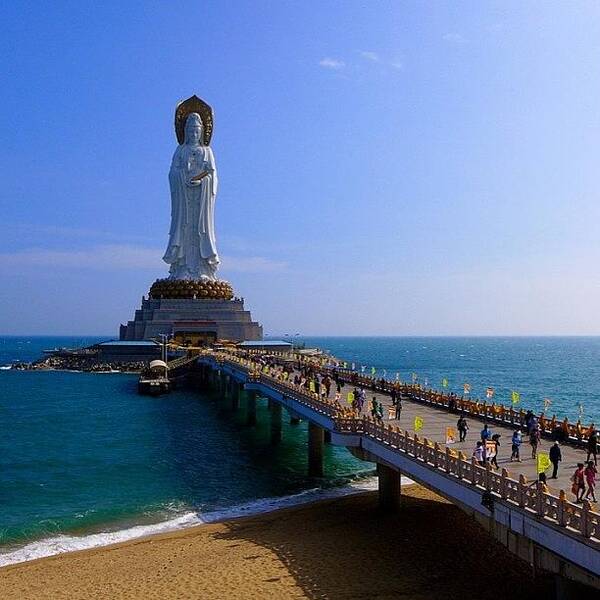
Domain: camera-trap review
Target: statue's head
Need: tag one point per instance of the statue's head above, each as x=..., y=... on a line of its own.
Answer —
x=193, y=129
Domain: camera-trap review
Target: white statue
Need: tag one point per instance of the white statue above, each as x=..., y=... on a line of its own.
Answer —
x=192, y=250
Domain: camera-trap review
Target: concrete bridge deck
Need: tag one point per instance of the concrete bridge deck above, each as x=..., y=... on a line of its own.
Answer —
x=436, y=420
x=544, y=529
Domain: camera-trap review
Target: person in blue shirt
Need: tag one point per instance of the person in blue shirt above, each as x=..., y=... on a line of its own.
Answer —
x=517, y=440
x=486, y=433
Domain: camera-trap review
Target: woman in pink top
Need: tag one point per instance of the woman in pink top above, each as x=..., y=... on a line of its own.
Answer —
x=578, y=480
x=590, y=479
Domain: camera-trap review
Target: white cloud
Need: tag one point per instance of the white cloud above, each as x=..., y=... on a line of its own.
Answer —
x=372, y=56
x=454, y=38
x=332, y=63
x=397, y=64
x=121, y=257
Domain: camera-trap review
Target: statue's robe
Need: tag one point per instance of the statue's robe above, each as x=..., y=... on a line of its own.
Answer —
x=192, y=250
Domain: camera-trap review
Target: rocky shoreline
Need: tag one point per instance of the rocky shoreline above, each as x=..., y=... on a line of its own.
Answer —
x=87, y=363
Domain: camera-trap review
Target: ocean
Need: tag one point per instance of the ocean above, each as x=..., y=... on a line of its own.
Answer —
x=86, y=461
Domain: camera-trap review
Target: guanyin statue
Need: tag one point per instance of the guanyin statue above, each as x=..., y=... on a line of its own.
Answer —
x=192, y=250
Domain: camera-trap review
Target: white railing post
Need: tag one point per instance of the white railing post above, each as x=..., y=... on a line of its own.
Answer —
x=504, y=484
x=561, y=511
x=474, y=465
x=436, y=455
x=539, y=498
x=586, y=528
x=461, y=464
x=447, y=460
x=522, y=490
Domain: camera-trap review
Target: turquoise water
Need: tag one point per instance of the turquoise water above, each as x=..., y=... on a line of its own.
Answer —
x=81, y=452
x=84, y=453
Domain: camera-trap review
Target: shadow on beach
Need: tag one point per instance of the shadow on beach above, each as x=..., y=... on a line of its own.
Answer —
x=346, y=548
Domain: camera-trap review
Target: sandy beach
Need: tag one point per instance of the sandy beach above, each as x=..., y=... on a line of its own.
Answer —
x=340, y=548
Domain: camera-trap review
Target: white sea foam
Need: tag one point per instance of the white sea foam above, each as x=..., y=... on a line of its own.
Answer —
x=67, y=543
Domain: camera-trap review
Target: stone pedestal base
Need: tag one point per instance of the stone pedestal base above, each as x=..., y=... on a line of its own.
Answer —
x=192, y=320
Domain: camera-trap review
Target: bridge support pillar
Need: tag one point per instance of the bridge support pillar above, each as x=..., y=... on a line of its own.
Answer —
x=275, y=423
x=327, y=436
x=389, y=488
x=236, y=393
x=251, y=408
x=566, y=589
x=315, y=450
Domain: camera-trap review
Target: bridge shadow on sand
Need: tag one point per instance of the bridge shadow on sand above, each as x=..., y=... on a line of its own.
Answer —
x=346, y=548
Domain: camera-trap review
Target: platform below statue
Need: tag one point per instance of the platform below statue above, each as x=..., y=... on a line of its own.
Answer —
x=192, y=321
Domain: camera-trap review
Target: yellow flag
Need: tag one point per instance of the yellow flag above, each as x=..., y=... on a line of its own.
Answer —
x=350, y=397
x=311, y=385
x=418, y=423
x=450, y=435
x=543, y=462
x=515, y=397
x=444, y=382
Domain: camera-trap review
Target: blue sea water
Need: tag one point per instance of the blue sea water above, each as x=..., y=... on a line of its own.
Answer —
x=85, y=460
x=83, y=453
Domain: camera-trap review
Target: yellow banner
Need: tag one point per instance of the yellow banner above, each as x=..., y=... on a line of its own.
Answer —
x=350, y=397
x=418, y=423
x=543, y=462
x=515, y=397
x=311, y=386
x=450, y=435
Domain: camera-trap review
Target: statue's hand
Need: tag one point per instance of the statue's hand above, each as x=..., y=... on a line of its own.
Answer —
x=198, y=178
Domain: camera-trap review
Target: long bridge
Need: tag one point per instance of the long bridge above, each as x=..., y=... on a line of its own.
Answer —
x=542, y=527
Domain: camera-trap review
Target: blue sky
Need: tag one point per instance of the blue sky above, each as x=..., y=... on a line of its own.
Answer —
x=386, y=168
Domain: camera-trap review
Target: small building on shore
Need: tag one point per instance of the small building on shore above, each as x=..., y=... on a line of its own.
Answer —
x=120, y=351
x=265, y=346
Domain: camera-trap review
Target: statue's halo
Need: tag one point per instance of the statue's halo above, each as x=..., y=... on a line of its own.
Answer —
x=193, y=105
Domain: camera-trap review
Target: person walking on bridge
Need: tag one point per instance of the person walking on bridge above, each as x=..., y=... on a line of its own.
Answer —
x=486, y=433
x=590, y=479
x=534, y=440
x=494, y=459
x=479, y=453
x=555, y=456
x=516, y=441
x=462, y=427
x=578, y=479
x=592, y=444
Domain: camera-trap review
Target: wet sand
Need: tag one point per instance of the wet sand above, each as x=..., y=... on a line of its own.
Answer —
x=340, y=549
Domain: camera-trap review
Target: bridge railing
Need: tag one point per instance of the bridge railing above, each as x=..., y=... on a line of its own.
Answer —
x=258, y=373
